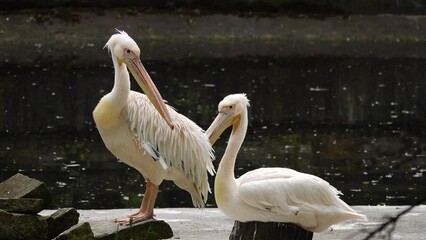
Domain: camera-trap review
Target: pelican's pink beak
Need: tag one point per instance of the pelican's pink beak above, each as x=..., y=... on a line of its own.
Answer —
x=220, y=124
x=142, y=77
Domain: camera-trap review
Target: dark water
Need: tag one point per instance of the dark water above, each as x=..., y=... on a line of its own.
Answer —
x=359, y=123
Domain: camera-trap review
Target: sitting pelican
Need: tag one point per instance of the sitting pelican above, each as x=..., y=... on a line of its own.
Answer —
x=270, y=194
x=146, y=134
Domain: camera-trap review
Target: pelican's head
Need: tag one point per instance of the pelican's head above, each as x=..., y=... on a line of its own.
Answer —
x=125, y=51
x=230, y=110
x=121, y=43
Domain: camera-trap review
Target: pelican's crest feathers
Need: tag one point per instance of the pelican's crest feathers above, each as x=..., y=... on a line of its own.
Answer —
x=238, y=97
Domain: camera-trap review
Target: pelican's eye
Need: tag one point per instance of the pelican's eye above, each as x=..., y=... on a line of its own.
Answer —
x=128, y=50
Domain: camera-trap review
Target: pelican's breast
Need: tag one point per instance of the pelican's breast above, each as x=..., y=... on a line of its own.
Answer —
x=112, y=128
x=106, y=114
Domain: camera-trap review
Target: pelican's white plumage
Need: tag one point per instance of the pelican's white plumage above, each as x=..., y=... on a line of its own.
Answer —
x=140, y=129
x=185, y=149
x=270, y=194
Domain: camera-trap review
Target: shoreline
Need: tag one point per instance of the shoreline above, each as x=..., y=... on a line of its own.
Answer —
x=31, y=38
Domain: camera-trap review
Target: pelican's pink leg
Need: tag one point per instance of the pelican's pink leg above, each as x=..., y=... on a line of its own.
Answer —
x=146, y=210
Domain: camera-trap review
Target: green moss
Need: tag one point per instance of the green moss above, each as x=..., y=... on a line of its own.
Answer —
x=150, y=234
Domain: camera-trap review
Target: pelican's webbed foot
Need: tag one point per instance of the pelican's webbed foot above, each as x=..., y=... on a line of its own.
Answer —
x=134, y=218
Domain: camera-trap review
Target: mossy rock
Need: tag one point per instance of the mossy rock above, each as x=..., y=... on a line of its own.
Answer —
x=147, y=230
x=81, y=231
x=22, y=226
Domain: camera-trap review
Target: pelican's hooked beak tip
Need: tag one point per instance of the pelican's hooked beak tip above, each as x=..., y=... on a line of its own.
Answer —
x=172, y=126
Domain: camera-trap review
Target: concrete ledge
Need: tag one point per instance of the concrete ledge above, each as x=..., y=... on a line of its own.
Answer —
x=78, y=37
x=211, y=224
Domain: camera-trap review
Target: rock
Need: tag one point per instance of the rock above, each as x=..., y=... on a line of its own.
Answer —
x=22, y=226
x=269, y=231
x=147, y=230
x=21, y=205
x=21, y=186
x=61, y=220
x=16, y=196
x=81, y=231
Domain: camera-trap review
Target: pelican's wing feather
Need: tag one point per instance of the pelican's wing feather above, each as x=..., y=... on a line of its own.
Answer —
x=284, y=190
x=154, y=154
x=186, y=147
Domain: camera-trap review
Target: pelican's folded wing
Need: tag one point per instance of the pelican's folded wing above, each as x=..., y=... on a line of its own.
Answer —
x=185, y=148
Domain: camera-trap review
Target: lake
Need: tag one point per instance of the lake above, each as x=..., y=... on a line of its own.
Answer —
x=359, y=123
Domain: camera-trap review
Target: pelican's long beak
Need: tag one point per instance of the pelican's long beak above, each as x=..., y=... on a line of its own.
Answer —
x=142, y=77
x=220, y=124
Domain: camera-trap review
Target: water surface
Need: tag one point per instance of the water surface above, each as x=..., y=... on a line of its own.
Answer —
x=359, y=123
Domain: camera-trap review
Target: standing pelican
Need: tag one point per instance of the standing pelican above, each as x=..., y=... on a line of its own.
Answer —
x=150, y=136
x=270, y=194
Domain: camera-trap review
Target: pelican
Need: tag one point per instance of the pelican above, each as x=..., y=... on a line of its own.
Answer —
x=148, y=135
x=270, y=194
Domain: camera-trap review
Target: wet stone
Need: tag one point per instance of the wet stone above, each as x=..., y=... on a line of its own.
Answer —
x=21, y=186
x=21, y=205
x=22, y=226
x=81, y=231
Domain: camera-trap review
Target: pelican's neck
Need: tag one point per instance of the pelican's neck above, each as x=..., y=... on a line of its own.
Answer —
x=227, y=164
x=120, y=91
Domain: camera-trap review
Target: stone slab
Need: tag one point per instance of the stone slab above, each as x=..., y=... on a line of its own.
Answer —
x=22, y=205
x=21, y=186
